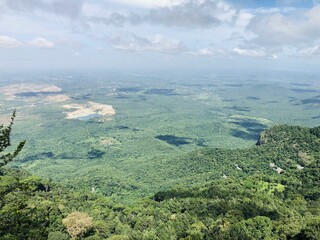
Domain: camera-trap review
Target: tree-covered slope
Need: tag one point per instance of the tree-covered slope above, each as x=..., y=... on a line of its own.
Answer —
x=268, y=191
x=279, y=149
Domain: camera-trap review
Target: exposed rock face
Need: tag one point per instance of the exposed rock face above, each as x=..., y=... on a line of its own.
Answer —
x=262, y=139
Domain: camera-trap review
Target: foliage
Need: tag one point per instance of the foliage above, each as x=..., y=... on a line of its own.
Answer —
x=57, y=236
x=252, y=203
x=5, y=143
x=77, y=224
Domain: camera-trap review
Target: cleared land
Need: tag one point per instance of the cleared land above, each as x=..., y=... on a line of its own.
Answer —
x=89, y=109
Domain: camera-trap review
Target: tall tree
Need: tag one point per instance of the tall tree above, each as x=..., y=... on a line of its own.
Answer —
x=5, y=142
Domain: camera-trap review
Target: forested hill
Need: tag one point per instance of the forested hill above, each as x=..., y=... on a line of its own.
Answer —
x=281, y=149
x=268, y=191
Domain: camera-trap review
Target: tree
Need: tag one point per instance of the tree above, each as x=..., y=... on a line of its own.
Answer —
x=259, y=227
x=57, y=236
x=77, y=224
x=5, y=142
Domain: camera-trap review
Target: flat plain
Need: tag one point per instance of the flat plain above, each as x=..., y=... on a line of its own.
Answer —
x=125, y=135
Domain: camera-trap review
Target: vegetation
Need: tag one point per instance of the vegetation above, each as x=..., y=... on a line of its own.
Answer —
x=243, y=195
x=5, y=142
x=160, y=118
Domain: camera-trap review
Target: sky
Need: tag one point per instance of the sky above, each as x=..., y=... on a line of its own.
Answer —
x=176, y=35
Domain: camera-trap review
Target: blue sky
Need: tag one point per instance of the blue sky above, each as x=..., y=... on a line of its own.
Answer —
x=160, y=34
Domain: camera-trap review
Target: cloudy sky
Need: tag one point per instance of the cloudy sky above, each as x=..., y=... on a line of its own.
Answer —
x=160, y=34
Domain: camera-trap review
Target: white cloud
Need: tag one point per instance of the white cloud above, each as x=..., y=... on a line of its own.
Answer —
x=280, y=29
x=94, y=10
x=204, y=28
x=250, y=52
x=41, y=43
x=8, y=42
x=274, y=10
x=181, y=13
x=312, y=51
x=156, y=43
x=187, y=14
x=67, y=8
x=193, y=14
x=150, y=3
x=243, y=19
x=207, y=52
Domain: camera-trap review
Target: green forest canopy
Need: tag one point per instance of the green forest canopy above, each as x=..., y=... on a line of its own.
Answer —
x=260, y=202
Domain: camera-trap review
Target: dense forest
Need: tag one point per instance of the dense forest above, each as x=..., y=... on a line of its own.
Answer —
x=268, y=191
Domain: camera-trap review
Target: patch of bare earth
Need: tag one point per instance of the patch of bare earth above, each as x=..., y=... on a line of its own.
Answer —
x=90, y=108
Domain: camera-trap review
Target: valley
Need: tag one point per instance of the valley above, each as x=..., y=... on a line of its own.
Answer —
x=122, y=137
